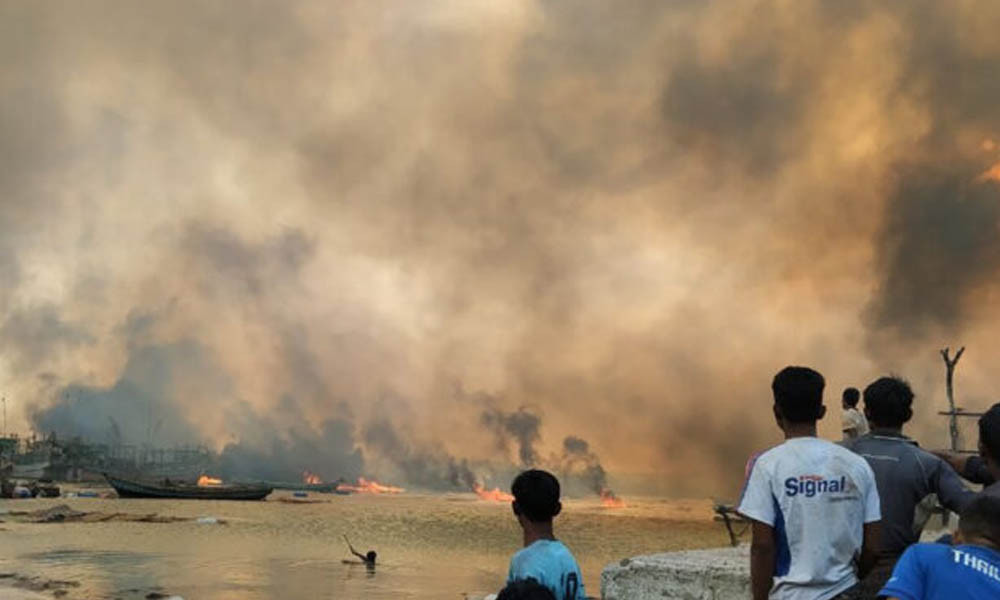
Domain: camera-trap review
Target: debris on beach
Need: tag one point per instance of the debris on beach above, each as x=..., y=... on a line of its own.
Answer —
x=210, y=521
x=296, y=500
x=33, y=489
x=90, y=494
x=65, y=514
x=57, y=587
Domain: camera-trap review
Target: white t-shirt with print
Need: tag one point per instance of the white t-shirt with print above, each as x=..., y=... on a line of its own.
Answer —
x=817, y=496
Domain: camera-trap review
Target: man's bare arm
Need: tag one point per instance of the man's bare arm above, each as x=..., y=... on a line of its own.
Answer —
x=762, y=560
x=350, y=547
x=358, y=554
x=870, y=548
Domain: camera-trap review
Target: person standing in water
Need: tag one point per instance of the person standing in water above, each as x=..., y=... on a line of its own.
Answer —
x=367, y=559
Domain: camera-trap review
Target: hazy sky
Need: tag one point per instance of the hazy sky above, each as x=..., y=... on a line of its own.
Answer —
x=259, y=217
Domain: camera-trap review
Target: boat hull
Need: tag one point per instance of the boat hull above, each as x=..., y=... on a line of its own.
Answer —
x=35, y=470
x=318, y=488
x=135, y=489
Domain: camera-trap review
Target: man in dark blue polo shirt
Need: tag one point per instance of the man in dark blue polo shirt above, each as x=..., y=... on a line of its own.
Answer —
x=904, y=474
x=985, y=468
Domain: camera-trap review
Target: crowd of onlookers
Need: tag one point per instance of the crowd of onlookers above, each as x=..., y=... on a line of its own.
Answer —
x=843, y=521
x=828, y=521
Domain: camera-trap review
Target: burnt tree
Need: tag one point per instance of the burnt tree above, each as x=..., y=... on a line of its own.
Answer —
x=949, y=364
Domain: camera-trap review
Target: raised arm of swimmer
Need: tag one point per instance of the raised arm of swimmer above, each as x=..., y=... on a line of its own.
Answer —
x=368, y=559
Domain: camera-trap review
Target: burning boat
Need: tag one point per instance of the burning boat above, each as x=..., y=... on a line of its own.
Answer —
x=310, y=483
x=494, y=495
x=368, y=486
x=207, y=488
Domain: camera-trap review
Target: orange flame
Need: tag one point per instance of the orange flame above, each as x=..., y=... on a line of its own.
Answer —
x=367, y=486
x=992, y=174
x=610, y=500
x=311, y=478
x=494, y=495
x=205, y=481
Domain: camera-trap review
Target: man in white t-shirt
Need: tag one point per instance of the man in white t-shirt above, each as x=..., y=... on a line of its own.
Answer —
x=852, y=422
x=813, y=505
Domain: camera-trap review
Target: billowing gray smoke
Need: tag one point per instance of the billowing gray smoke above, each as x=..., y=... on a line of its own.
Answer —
x=616, y=213
x=522, y=425
x=427, y=467
x=329, y=453
x=939, y=246
x=138, y=408
x=579, y=461
x=141, y=410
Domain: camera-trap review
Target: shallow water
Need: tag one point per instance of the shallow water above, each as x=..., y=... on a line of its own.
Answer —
x=430, y=546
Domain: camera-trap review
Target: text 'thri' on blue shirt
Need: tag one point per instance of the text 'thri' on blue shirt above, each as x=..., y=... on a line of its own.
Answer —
x=939, y=572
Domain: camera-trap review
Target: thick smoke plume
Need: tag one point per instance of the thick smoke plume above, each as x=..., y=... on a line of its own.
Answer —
x=521, y=425
x=236, y=227
x=578, y=460
x=329, y=453
x=428, y=467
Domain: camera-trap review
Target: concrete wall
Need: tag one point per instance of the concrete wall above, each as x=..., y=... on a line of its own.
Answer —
x=717, y=574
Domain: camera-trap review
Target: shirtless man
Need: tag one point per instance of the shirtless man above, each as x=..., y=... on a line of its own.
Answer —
x=367, y=559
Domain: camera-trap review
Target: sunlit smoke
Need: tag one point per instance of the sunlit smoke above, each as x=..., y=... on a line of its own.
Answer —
x=288, y=235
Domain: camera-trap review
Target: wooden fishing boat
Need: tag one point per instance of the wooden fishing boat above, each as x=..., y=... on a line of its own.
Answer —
x=318, y=488
x=129, y=488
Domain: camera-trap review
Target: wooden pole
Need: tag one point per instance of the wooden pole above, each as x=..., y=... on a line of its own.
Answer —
x=949, y=364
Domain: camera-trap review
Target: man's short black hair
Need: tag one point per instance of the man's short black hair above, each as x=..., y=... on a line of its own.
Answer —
x=981, y=518
x=371, y=556
x=798, y=392
x=525, y=589
x=889, y=401
x=989, y=431
x=536, y=495
x=851, y=396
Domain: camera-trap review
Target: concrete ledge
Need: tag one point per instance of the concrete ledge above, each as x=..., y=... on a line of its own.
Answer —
x=716, y=574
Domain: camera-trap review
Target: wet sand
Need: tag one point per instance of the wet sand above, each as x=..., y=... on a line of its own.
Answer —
x=430, y=546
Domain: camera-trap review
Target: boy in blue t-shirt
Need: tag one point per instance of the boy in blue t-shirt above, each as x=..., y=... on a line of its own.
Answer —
x=969, y=570
x=543, y=558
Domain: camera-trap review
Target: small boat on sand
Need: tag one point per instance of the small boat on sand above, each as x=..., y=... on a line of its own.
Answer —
x=130, y=488
x=318, y=488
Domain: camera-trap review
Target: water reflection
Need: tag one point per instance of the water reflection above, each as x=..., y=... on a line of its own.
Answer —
x=428, y=547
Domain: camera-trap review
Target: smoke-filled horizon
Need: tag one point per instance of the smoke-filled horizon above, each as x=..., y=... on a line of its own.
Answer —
x=386, y=233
